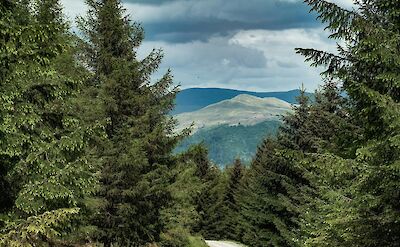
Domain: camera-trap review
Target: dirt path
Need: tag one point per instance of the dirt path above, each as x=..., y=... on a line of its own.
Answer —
x=222, y=244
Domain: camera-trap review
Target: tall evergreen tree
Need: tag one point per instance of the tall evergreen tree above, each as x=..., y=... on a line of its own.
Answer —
x=199, y=155
x=278, y=192
x=294, y=133
x=42, y=144
x=229, y=207
x=137, y=154
x=270, y=196
x=368, y=67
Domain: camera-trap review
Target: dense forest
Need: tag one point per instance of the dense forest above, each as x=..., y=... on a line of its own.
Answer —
x=86, y=140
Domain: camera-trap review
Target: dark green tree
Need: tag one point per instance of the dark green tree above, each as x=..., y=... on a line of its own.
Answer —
x=294, y=133
x=280, y=189
x=269, y=197
x=42, y=143
x=199, y=155
x=367, y=65
x=229, y=207
x=137, y=153
x=271, y=193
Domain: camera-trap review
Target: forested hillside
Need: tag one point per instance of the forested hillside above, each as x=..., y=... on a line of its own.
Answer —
x=227, y=143
x=87, y=140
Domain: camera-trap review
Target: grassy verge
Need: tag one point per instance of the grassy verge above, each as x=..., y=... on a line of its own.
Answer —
x=197, y=242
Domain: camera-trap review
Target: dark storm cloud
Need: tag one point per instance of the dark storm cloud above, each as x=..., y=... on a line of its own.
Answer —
x=188, y=20
x=242, y=44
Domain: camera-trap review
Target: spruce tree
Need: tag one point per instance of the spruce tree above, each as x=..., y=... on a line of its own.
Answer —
x=42, y=144
x=279, y=191
x=275, y=188
x=294, y=134
x=368, y=68
x=199, y=156
x=137, y=153
x=270, y=196
x=229, y=206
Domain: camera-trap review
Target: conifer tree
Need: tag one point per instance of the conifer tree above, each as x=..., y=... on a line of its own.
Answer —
x=229, y=206
x=294, y=133
x=368, y=68
x=279, y=189
x=181, y=215
x=199, y=155
x=275, y=187
x=42, y=143
x=217, y=204
x=137, y=153
x=270, y=196
x=208, y=205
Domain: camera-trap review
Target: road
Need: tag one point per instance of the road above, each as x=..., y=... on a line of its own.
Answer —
x=222, y=244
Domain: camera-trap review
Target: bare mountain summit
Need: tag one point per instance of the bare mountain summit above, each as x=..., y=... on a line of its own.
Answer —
x=243, y=109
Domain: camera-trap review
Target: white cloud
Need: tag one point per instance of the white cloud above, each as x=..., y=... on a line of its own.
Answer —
x=254, y=60
x=262, y=60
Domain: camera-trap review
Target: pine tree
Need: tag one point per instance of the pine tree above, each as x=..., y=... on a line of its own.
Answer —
x=294, y=134
x=137, y=153
x=42, y=144
x=181, y=215
x=199, y=155
x=217, y=204
x=270, y=196
x=229, y=206
x=209, y=194
x=279, y=192
x=368, y=68
x=208, y=204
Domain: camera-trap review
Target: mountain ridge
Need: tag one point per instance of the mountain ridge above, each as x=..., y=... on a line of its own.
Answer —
x=192, y=99
x=243, y=109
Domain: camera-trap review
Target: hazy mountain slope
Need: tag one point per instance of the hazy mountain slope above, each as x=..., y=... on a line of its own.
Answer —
x=242, y=109
x=193, y=99
x=225, y=143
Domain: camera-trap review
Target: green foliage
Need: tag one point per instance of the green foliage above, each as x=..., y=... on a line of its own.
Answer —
x=182, y=213
x=368, y=67
x=198, y=154
x=269, y=198
x=216, y=203
x=136, y=156
x=208, y=205
x=227, y=206
x=40, y=230
x=86, y=142
x=277, y=195
x=42, y=142
x=191, y=179
x=176, y=237
x=225, y=143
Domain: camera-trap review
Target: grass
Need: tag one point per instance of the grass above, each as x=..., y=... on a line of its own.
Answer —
x=197, y=242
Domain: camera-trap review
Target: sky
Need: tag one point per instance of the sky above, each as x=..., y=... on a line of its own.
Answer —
x=238, y=44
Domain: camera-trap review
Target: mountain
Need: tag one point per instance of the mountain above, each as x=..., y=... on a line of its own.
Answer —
x=243, y=109
x=233, y=128
x=193, y=99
